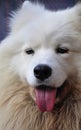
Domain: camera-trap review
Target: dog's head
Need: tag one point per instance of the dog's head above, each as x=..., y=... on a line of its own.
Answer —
x=46, y=49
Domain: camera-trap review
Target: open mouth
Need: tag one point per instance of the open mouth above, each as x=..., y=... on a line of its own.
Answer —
x=46, y=96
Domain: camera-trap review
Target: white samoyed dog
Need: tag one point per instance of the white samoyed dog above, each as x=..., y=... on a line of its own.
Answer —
x=40, y=70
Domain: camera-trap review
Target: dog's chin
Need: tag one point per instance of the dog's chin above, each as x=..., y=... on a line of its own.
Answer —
x=47, y=97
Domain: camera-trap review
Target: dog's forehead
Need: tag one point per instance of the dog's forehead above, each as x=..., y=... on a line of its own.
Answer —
x=48, y=33
x=49, y=29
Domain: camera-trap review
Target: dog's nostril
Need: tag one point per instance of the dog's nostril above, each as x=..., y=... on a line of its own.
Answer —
x=42, y=72
x=37, y=71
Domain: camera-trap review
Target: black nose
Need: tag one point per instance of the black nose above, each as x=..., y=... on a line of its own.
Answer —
x=42, y=72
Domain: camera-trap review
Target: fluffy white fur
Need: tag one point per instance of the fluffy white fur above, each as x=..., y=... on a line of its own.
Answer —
x=33, y=27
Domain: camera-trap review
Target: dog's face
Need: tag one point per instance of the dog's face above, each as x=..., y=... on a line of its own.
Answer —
x=47, y=57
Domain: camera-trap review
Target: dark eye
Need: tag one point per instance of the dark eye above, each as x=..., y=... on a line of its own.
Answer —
x=29, y=51
x=62, y=50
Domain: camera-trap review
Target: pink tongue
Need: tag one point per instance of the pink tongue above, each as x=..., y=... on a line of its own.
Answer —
x=45, y=99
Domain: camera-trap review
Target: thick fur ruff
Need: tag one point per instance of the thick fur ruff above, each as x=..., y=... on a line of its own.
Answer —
x=18, y=110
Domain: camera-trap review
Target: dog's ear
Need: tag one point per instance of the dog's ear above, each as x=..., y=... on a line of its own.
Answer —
x=77, y=13
x=27, y=13
x=78, y=9
x=74, y=16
